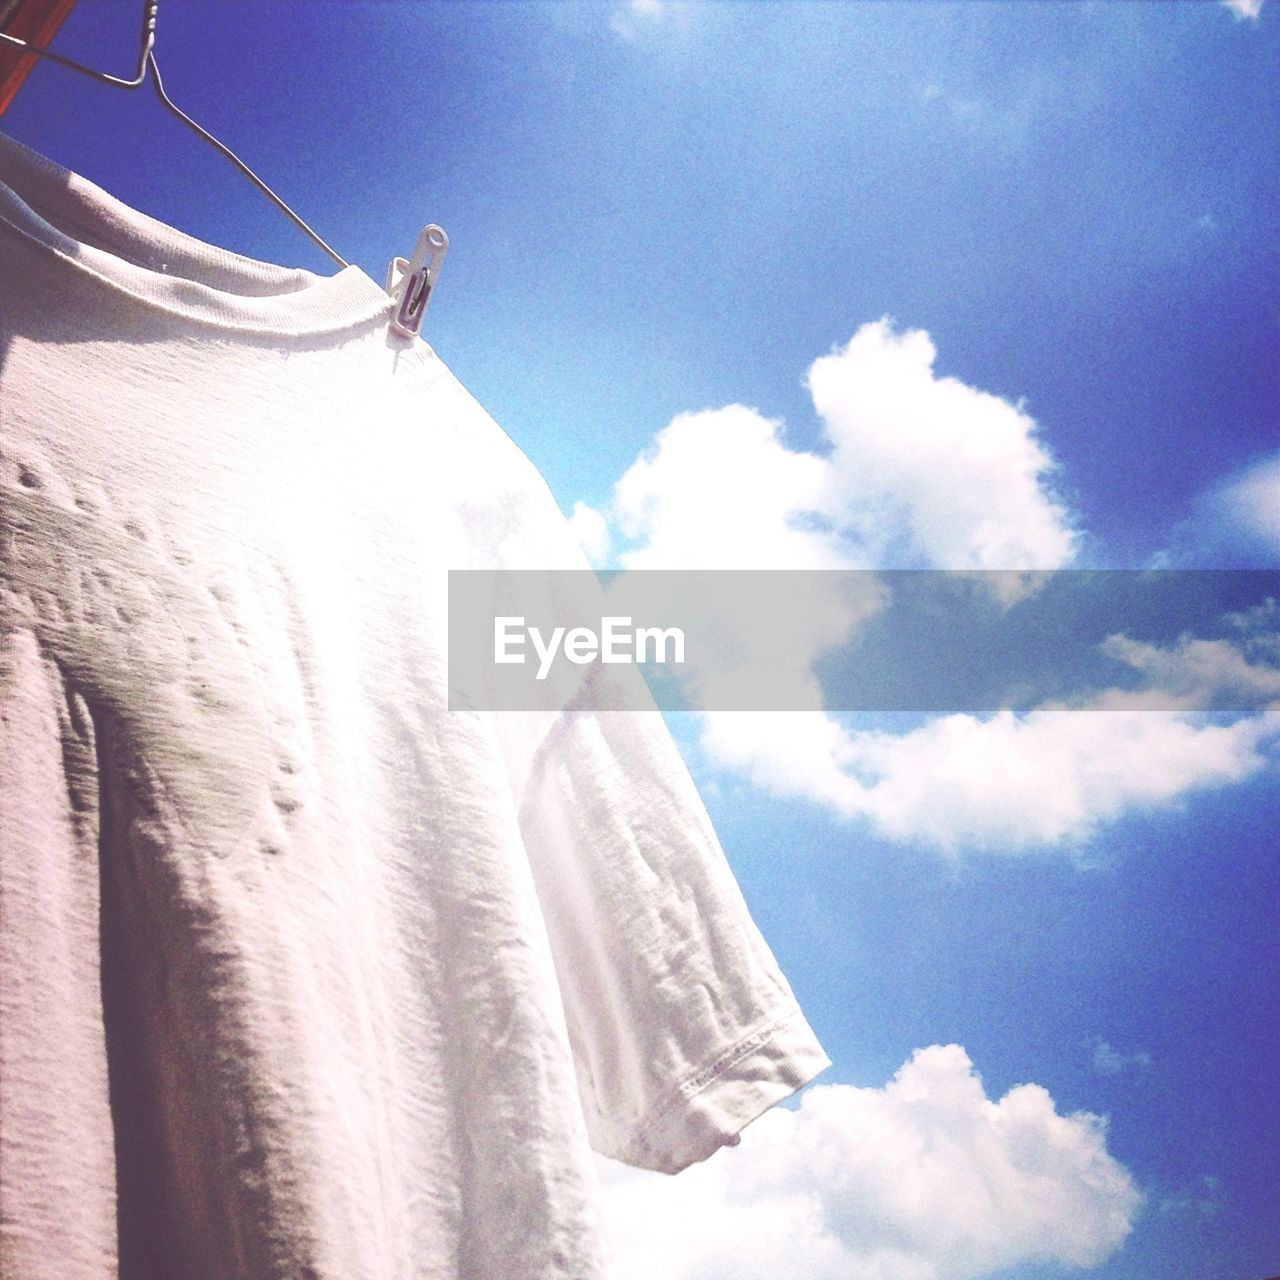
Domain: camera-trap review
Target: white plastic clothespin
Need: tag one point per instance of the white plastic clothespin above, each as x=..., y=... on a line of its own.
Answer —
x=418, y=276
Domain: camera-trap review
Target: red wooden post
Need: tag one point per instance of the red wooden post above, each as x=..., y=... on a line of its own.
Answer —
x=36, y=21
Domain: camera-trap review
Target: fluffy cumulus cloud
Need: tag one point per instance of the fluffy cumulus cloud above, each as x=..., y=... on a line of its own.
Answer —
x=1012, y=782
x=1004, y=784
x=721, y=489
x=956, y=477
x=922, y=470
x=917, y=470
x=926, y=1178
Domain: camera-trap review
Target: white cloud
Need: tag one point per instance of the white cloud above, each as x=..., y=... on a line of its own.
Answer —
x=961, y=473
x=1252, y=500
x=1109, y=1061
x=1235, y=522
x=721, y=489
x=926, y=471
x=919, y=471
x=923, y=1179
x=1050, y=777
x=1005, y=784
x=1193, y=671
x=1245, y=9
x=591, y=531
x=1259, y=628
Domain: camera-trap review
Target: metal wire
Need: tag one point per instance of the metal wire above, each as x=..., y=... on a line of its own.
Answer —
x=148, y=40
x=147, y=58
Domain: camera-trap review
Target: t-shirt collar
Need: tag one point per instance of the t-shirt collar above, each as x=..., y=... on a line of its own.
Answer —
x=159, y=266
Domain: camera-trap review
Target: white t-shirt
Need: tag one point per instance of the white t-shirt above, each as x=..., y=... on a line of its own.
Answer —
x=304, y=976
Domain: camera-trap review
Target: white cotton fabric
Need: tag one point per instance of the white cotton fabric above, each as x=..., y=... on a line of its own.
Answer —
x=304, y=976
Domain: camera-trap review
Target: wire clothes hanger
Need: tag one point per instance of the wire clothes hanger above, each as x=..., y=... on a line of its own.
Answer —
x=418, y=274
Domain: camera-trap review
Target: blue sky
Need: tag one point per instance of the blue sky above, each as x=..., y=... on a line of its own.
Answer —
x=881, y=231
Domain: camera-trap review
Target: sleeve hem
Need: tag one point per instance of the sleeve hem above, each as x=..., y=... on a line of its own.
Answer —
x=710, y=1109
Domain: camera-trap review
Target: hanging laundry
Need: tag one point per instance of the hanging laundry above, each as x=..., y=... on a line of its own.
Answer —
x=304, y=976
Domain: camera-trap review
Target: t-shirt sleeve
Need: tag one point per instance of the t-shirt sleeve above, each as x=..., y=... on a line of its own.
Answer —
x=683, y=1027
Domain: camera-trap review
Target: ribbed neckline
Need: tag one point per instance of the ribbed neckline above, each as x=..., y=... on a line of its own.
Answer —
x=159, y=266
